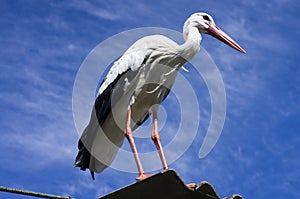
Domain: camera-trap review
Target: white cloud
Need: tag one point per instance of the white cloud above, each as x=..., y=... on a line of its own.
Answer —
x=111, y=11
x=43, y=148
x=95, y=10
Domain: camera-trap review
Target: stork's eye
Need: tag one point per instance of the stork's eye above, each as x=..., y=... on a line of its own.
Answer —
x=205, y=17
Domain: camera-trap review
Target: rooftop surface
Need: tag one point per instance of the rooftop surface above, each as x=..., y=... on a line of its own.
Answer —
x=166, y=185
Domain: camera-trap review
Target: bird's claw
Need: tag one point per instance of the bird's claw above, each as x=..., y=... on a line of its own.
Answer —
x=143, y=176
x=191, y=185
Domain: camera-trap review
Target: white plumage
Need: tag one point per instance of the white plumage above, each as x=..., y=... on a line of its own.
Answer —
x=139, y=79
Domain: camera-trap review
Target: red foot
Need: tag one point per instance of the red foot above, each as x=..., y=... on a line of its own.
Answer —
x=191, y=185
x=143, y=176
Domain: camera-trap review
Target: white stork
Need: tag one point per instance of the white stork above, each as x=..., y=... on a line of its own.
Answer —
x=138, y=80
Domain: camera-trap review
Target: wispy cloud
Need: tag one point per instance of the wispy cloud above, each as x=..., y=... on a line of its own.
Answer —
x=42, y=148
x=96, y=9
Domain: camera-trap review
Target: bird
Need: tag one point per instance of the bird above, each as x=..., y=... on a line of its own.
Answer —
x=134, y=87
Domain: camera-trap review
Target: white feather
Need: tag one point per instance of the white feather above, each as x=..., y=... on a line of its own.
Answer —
x=132, y=59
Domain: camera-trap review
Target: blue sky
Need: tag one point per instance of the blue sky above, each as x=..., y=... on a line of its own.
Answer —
x=43, y=44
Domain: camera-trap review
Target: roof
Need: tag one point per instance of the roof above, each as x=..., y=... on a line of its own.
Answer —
x=166, y=185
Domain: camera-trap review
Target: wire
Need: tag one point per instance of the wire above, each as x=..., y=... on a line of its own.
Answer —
x=31, y=193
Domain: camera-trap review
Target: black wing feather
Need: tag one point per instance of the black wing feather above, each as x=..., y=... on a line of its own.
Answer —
x=101, y=109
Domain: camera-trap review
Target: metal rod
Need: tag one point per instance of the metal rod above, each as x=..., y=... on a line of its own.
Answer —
x=31, y=193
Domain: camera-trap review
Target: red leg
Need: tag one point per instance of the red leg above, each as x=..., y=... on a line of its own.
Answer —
x=156, y=139
x=129, y=136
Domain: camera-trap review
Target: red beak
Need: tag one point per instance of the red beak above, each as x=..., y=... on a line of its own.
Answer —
x=216, y=32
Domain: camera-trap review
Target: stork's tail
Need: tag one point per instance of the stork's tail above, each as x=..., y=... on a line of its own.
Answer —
x=83, y=158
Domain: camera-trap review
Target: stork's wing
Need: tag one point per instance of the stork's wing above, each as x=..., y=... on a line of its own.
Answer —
x=127, y=65
x=131, y=60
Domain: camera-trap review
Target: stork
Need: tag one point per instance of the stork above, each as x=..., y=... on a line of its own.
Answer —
x=135, y=84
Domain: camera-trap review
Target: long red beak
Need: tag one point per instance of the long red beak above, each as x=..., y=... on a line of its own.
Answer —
x=216, y=32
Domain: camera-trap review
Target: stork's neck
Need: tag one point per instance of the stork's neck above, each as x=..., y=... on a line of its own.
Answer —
x=192, y=43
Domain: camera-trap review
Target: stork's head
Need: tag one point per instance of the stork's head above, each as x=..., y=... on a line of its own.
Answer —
x=205, y=24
